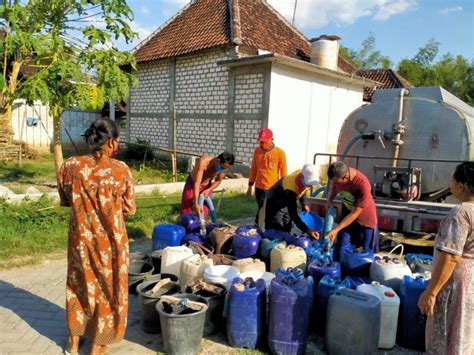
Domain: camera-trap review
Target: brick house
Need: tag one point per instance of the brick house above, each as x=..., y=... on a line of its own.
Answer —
x=388, y=79
x=231, y=67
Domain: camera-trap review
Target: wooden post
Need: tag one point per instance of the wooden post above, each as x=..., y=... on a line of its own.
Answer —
x=173, y=156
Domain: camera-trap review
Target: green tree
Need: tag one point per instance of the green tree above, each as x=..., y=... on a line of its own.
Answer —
x=455, y=74
x=367, y=57
x=67, y=47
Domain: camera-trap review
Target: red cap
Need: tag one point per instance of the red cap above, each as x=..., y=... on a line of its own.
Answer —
x=265, y=135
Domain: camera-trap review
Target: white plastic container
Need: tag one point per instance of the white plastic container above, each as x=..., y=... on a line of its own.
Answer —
x=286, y=257
x=172, y=257
x=390, y=306
x=249, y=264
x=222, y=274
x=389, y=271
x=193, y=268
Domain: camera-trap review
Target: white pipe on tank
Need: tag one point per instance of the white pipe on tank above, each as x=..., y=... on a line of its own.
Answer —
x=399, y=128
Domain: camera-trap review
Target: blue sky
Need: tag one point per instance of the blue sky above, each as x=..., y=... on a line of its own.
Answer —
x=400, y=26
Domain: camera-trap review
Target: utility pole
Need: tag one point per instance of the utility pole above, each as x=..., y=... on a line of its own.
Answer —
x=294, y=13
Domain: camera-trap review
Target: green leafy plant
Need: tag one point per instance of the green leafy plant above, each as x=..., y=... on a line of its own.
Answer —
x=60, y=52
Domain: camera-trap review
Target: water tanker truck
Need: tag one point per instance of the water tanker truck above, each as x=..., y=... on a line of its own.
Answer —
x=407, y=142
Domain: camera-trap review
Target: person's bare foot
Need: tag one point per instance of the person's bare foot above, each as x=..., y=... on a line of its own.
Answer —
x=98, y=349
x=73, y=344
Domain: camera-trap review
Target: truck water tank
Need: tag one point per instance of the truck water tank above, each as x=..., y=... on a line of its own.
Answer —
x=436, y=124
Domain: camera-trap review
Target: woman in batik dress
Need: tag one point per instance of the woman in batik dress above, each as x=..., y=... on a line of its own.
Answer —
x=99, y=191
x=449, y=298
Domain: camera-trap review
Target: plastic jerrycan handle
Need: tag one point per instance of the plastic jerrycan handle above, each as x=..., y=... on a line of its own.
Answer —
x=395, y=248
x=289, y=276
x=357, y=296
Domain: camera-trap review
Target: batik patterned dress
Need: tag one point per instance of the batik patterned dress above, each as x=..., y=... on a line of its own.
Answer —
x=451, y=329
x=100, y=194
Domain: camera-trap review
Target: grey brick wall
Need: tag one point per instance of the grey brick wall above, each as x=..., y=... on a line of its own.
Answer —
x=152, y=93
x=202, y=136
x=248, y=93
x=201, y=89
x=202, y=85
x=153, y=129
x=245, y=138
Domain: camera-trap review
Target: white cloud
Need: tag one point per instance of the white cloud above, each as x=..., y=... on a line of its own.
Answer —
x=142, y=31
x=316, y=14
x=145, y=10
x=448, y=10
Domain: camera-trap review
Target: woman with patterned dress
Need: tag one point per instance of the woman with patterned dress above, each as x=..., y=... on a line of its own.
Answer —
x=449, y=298
x=99, y=191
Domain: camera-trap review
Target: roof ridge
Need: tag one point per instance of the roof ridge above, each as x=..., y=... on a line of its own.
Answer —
x=235, y=23
x=285, y=21
x=170, y=20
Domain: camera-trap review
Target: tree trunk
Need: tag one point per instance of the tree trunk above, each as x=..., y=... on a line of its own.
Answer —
x=5, y=124
x=57, y=148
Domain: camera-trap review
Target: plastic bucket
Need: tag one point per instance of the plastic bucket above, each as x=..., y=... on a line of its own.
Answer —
x=214, y=316
x=138, y=270
x=182, y=333
x=150, y=320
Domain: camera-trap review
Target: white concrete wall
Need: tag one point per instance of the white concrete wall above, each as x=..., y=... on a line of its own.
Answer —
x=75, y=121
x=307, y=111
x=37, y=136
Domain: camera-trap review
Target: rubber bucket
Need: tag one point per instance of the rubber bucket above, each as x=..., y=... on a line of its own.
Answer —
x=182, y=333
x=214, y=316
x=150, y=320
x=137, y=272
x=156, y=260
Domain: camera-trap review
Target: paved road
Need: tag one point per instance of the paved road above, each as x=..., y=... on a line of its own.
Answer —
x=32, y=316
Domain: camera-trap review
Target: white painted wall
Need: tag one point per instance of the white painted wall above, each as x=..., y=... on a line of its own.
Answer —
x=41, y=135
x=307, y=111
x=36, y=136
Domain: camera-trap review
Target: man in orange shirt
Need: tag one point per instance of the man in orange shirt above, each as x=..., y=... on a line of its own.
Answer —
x=268, y=166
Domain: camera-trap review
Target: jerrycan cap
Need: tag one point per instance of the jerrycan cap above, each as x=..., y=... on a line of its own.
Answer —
x=375, y=283
x=239, y=287
x=389, y=294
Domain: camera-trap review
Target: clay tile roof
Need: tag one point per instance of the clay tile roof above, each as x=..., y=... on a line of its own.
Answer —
x=264, y=28
x=201, y=24
x=205, y=24
x=389, y=79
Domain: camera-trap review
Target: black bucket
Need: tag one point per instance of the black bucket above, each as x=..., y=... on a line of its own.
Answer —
x=150, y=320
x=137, y=272
x=156, y=260
x=214, y=316
x=182, y=333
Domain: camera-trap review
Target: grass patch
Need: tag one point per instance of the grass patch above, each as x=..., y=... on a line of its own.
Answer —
x=35, y=229
x=40, y=172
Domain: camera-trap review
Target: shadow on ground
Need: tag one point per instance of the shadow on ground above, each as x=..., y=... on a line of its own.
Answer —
x=40, y=314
